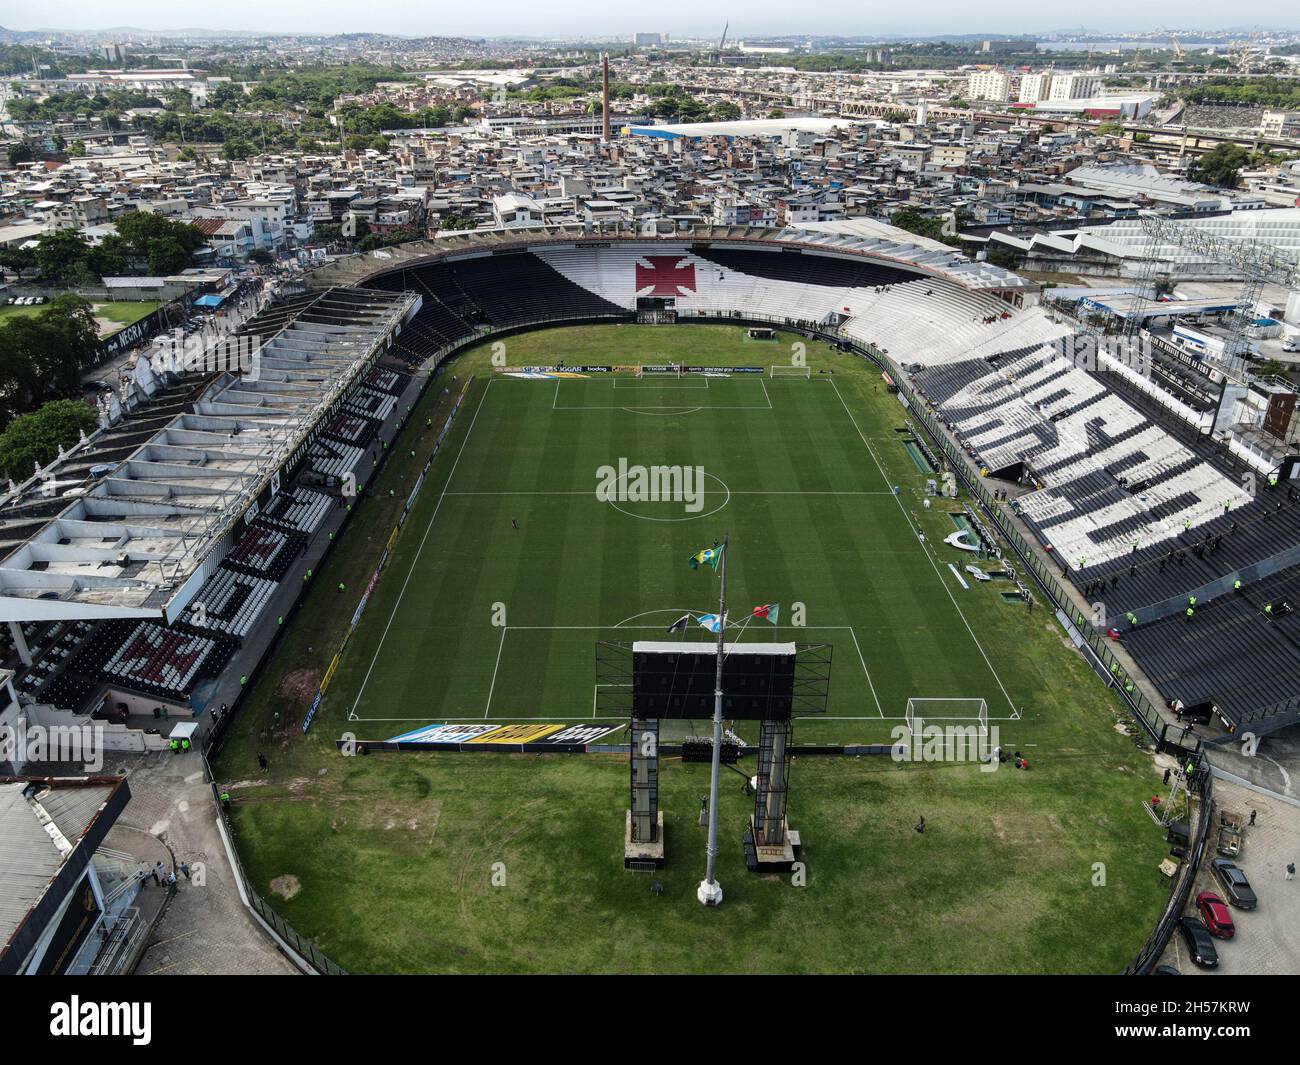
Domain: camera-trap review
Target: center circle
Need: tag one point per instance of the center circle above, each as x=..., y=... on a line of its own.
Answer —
x=659, y=503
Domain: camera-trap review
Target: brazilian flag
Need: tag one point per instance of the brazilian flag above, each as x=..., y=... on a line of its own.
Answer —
x=709, y=556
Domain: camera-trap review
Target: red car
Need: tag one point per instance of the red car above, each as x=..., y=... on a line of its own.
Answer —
x=1214, y=912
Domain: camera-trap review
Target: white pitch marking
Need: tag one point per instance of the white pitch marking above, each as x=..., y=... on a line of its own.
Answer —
x=427, y=529
x=493, y=687
x=933, y=565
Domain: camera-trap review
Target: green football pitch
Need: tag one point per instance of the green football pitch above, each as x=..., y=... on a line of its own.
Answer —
x=511, y=567
x=516, y=569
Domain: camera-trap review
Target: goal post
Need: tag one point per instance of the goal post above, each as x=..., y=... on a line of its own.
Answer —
x=789, y=371
x=945, y=712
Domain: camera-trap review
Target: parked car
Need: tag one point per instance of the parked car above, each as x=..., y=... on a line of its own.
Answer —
x=1200, y=944
x=1235, y=884
x=1214, y=912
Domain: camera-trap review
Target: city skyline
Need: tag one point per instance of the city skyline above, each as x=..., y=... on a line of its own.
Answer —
x=675, y=17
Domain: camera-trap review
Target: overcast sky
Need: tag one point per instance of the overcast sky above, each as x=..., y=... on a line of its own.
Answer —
x=676, y=17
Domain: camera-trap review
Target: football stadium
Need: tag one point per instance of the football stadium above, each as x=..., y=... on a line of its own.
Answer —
x=540, y=587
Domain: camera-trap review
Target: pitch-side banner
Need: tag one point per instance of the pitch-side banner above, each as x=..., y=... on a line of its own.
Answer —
x=444, y=734
x=527, y=733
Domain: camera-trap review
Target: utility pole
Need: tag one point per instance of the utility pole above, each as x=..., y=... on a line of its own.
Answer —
x=710, y=891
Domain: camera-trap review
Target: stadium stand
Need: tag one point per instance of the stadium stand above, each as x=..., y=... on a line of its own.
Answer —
x=151, y=658
x=1231, y=653
x=298, y=510
x=1135, y=509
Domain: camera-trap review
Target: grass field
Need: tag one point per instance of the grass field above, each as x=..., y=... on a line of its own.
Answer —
x=391, y=859
x=111, y=316
x=124, y=312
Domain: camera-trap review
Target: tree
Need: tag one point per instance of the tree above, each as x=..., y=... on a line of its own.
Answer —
x=41, y=356
x=37, y=437
x=1220, y=167
x=19, y=153
x=168, y=247
x=455, y=221
x=400, y=235
x=923, y=225
x=16, y=259
x=61, y=258
x=327, y=232
x=1001, y=255
x=226, y=96
x=238, y=148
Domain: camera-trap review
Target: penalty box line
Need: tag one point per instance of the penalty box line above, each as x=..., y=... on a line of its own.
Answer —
x=700, y=385
x=683, y=407
x=505, y=629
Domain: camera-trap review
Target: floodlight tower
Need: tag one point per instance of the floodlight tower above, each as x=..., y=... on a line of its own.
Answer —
x=710, y=891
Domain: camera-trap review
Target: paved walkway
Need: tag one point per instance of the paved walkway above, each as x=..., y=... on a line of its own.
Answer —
x=1267, y=942
x=206, y=929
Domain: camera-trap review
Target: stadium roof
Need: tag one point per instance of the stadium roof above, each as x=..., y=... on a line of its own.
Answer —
x=756, y=127
x=931, y=259
x=133, y=542
x=871, y=229
x=42, y=823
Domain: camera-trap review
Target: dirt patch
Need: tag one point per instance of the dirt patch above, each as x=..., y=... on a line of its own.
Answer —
x=286, y=886
x=299, y=686
x=230, y=784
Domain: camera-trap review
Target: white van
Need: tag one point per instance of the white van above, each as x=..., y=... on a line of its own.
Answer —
x=1291, y=342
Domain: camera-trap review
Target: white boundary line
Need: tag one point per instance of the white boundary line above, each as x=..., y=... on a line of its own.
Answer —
x=505, y=629
x=933, y=565
x=592, y=492
x=487, y=708
x=655, y=384
x=352, y=714
x=657, y=408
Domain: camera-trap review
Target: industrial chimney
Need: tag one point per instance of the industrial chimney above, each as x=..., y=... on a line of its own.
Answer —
x=604, y=64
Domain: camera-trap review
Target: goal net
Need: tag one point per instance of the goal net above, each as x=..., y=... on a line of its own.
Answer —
x=946, y=712
x=789, y=371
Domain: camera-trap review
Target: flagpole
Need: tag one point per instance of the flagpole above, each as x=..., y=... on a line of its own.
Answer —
x=710, y=891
